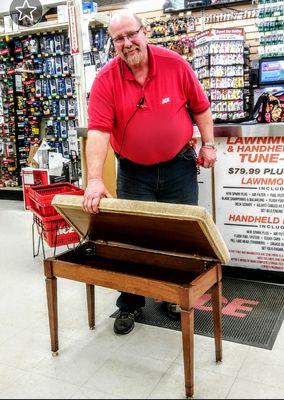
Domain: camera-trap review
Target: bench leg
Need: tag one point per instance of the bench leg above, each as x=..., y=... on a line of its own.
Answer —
x=187, y=326
x=217, y=319
x=51, y=291
x=90, y=289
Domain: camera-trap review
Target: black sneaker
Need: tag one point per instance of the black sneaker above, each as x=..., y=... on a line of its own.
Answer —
x=124, y=322
x=173, y=311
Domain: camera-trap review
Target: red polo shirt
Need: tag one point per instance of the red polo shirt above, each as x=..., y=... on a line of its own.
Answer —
x=158, y=129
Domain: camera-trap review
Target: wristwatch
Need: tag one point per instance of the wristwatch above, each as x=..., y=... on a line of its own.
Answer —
x=211, y=145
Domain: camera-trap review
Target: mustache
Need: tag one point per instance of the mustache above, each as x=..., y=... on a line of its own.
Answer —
x=125, y=52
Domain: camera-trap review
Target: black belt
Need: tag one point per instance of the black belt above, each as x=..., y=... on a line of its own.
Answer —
x=183, y=150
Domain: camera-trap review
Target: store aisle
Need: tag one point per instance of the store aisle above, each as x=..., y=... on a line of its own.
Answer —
x=97, y=364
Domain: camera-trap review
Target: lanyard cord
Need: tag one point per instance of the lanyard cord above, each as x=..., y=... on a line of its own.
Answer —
x=139, y=105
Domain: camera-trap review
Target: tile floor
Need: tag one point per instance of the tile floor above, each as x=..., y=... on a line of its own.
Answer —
x=146, y=364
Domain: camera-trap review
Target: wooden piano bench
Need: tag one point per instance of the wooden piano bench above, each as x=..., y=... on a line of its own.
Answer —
x=164, y=251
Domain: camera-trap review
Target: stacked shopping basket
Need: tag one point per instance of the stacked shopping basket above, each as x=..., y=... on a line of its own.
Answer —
x=51, y=227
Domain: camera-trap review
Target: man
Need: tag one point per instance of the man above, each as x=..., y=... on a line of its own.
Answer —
x=138, y=103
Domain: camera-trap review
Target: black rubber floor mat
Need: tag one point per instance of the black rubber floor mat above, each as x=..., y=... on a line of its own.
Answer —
x=252, y=313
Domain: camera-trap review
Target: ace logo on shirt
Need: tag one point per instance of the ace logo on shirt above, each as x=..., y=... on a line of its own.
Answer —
x=166, y=100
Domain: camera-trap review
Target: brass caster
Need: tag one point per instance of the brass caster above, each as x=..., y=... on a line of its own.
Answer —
x=54, y=353
x=219, y=362
x=92, y=328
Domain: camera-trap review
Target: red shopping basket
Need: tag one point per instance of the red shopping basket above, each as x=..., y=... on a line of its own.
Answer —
x=41, y=196
x=55, y=230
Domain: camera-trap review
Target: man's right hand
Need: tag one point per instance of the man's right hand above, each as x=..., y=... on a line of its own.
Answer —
x=93, y=194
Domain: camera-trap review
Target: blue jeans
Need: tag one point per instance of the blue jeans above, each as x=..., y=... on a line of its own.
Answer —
x=173, y=181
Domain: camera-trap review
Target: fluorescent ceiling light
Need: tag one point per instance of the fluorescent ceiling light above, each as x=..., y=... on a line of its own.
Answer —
x=145, y=5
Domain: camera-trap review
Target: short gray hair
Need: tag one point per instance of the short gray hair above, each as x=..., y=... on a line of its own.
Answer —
x=124, y=14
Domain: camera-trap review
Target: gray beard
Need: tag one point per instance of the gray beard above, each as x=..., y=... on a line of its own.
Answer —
x=134, y=60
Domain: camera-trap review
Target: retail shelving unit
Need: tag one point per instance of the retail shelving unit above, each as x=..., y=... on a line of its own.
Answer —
x=38, y=78
x=271, y=27
x=42, y=86
x=174, y=32
x=219, y=62
x=100, y=48
x=42, y=27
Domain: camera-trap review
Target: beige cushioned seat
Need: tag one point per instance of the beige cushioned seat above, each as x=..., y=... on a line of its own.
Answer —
x=162, y=227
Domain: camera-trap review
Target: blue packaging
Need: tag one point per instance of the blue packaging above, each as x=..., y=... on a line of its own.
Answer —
x=45, y=88
x=65, y=64
x=56, y=129
x=61, y=89
x=49, y=45
x=63, y=129
x=62, y=108
x=69, y=86
x=54, y=108
x=58, y=65
x=58, y=44
x=53, y=87
x=38, y=65
x=89, y=7
x=38, y=88
x=48, y=66
x=71, y=104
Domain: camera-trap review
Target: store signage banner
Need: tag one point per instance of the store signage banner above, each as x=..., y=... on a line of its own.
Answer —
x=73, y=31
x=219, y=34
x=205, y=189
x=249, y=181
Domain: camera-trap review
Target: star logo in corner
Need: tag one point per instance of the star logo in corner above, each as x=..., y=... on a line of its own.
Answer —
x=26, y=11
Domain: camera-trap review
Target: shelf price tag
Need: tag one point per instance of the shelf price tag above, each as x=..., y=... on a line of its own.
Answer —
x=73, y=141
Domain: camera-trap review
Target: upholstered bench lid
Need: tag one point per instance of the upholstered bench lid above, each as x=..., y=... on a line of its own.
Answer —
x=174, y=228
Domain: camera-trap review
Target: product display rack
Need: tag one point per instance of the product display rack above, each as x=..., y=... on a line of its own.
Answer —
x=101, y=48
x=38, y=82
x=271, y=27
x=8, y=138
x=173, y=32
x=221, y=64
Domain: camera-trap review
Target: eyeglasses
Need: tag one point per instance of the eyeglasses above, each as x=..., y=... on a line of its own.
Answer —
x=130, y=36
